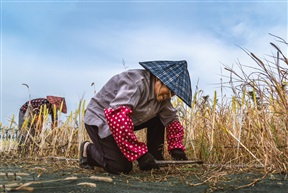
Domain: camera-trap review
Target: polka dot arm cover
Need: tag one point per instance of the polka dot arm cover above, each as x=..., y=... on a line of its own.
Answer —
x=122, y=128
x=175, y=135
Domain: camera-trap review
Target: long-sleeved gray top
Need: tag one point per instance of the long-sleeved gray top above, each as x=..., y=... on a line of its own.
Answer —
x=133, y=89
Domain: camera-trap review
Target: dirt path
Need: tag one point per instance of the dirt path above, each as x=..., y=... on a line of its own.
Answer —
x=46, y=176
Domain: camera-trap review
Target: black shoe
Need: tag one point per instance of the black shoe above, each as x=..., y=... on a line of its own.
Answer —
x=83, y=161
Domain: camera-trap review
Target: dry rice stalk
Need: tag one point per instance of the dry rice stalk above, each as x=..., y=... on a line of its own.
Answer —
x=13, y=174
x=100, y=178
x=93, y=185
x=71, y=178
x=253, y=183
x=25, y=187
x=12, y=185
x=229, y=132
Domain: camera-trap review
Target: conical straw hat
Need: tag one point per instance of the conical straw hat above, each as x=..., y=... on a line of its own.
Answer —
x=174, y=74
x=55, y=100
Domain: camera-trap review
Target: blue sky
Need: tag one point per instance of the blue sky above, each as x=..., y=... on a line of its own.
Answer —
x=60, y=47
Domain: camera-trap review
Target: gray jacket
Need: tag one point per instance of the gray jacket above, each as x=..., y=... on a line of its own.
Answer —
x=133, y=89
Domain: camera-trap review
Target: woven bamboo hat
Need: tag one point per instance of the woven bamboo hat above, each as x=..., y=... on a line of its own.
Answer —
x=174, y=74
x=55, y=100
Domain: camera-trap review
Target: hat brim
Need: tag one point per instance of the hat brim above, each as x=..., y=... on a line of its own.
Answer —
x=57, y=101
x=174, y=74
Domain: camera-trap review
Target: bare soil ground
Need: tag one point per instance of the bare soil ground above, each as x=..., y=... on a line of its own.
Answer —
x=45, y=175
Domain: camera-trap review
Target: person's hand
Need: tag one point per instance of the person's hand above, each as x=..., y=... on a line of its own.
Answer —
x=147, y=162
x=178, y=154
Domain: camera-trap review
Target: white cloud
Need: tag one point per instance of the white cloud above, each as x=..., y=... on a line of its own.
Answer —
x=72, y=57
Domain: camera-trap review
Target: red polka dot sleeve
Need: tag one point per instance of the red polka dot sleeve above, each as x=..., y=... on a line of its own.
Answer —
x=175, y=135
x=122, y=128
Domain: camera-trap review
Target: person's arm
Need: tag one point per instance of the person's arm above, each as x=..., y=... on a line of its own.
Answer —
x=175, y=136
x=174, y=129
x=121, y=125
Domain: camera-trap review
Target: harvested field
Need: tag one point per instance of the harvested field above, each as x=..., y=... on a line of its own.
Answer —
x=49, y=175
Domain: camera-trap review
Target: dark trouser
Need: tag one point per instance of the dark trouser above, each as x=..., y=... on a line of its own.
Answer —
x=20, y=136
x=106, y=154
x=20, y=120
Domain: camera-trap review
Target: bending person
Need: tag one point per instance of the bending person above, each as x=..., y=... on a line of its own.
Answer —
x=130, y=101
x=32, y=108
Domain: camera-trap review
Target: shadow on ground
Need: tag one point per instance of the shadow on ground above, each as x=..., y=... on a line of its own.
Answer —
x=44, y=175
